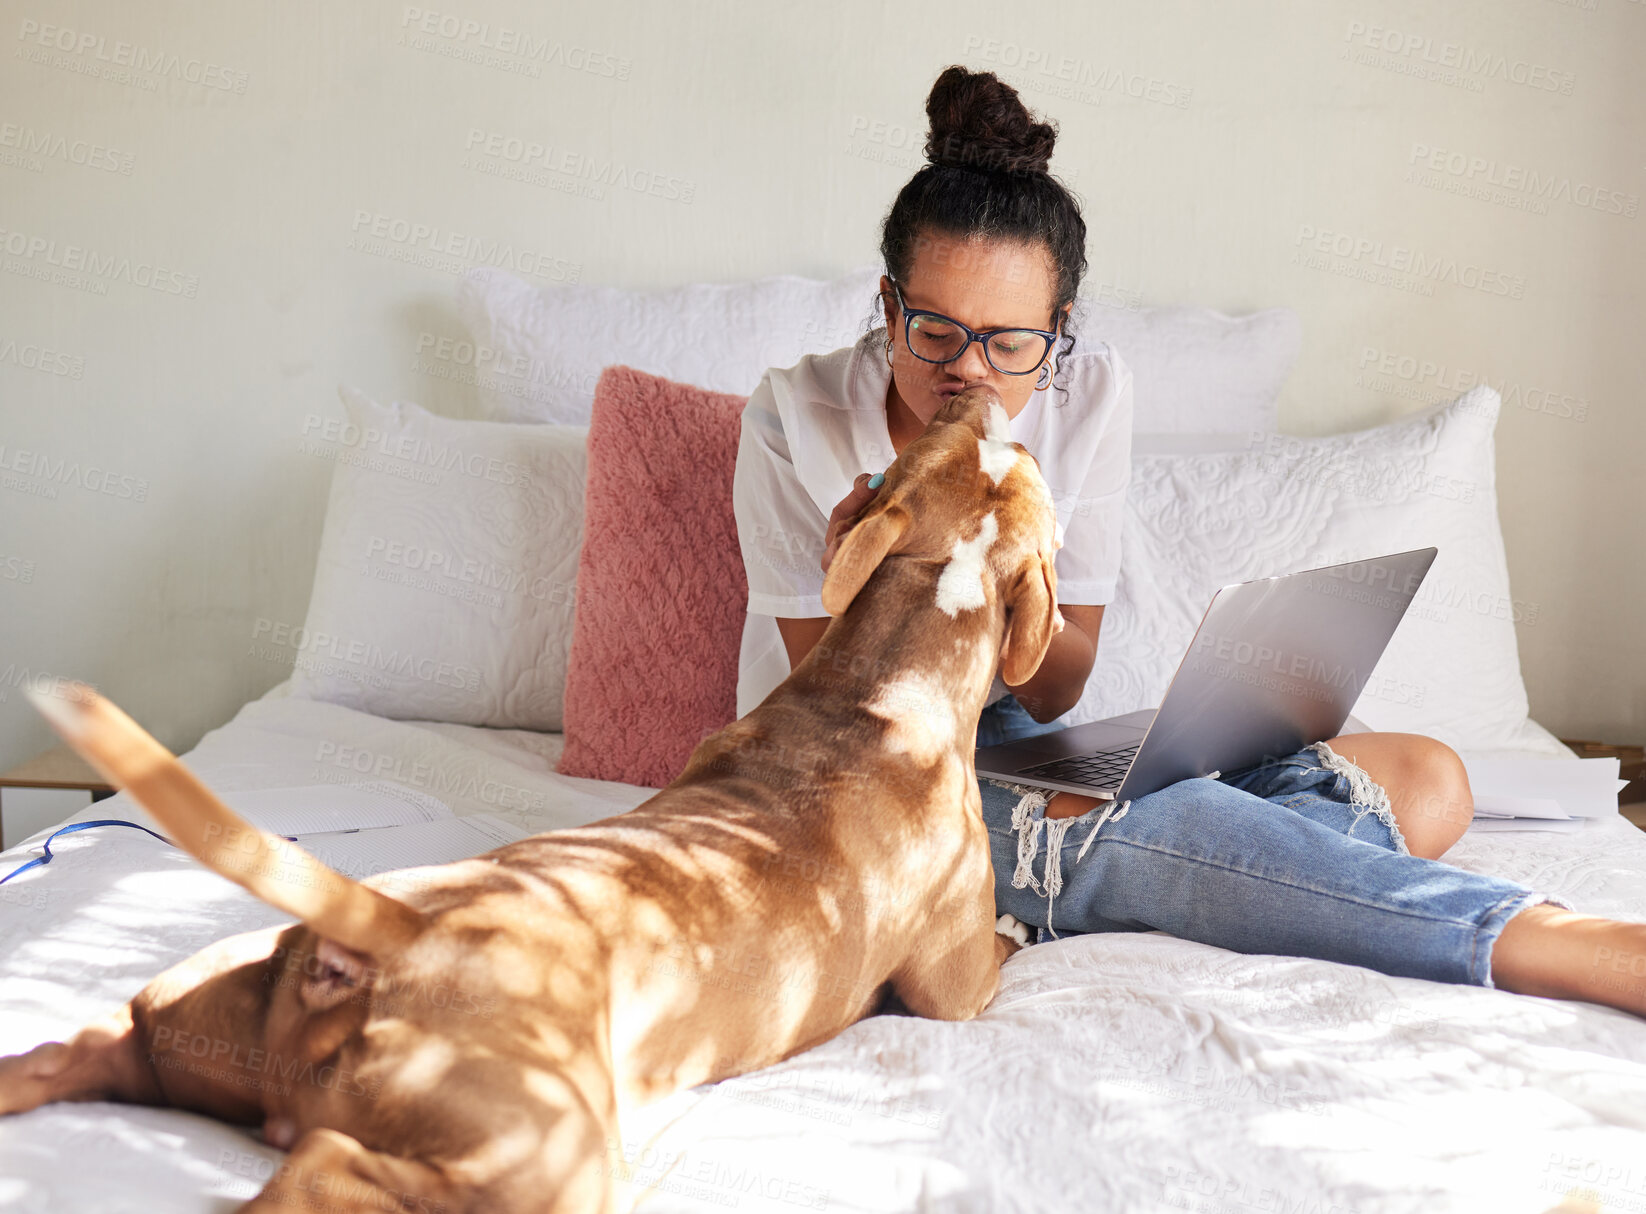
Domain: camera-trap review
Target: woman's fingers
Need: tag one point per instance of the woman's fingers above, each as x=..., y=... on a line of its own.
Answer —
x=860, y=496
x=844, y=513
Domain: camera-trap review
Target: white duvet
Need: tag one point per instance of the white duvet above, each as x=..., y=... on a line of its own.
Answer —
x=1129, y=1072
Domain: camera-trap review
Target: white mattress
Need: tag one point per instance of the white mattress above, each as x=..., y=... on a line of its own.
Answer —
x=1129, y=1072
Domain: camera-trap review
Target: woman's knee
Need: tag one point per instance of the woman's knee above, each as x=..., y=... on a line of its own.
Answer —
x=1427, y=784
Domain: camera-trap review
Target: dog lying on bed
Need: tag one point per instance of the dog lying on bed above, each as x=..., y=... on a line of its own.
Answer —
x=814, y=857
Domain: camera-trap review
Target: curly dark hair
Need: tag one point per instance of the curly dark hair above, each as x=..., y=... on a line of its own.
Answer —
x=988, y=176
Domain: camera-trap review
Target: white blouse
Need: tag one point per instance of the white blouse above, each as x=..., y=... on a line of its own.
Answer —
x=808, y=431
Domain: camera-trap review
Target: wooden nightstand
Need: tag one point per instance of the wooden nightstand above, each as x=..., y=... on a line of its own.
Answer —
x=53, y=773
x=1631, y=767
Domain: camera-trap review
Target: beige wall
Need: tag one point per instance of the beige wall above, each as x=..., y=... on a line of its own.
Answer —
x=230, y=150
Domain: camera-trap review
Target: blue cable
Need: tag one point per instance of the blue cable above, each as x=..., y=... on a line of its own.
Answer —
x=69, y=830
x=72, y=827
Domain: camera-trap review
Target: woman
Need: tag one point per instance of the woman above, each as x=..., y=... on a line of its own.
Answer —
x=1330, y=852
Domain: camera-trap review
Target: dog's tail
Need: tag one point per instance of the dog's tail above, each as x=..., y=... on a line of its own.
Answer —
x=275, y=869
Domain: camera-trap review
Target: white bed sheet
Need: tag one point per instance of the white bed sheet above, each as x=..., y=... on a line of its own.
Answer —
x=1129, y=1072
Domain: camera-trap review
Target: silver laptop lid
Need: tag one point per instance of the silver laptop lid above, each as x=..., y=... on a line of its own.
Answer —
x=1276, y=665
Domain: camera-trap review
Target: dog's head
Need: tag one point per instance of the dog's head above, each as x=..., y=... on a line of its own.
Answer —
x=966, y=497
x=382, y=989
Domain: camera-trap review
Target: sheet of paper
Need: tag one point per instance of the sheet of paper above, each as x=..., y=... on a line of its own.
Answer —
x=1496, y=805
x=1559, y=826
x=311, y=808
x=363, y=853
x=1584, y=788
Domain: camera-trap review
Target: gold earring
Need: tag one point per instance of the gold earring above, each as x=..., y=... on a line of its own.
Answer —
x=888, y=352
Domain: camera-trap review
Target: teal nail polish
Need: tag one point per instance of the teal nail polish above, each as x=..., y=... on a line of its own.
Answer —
x=877, y=480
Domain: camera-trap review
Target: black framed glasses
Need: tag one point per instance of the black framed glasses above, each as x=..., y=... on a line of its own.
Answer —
x=935, y=338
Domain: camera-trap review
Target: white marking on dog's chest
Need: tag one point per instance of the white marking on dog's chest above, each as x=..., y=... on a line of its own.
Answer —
x=960, y=585
x=919, y=711
x=994, y=449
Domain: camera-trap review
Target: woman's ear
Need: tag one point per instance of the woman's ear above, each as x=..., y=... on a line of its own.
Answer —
x=860, y=553
x=1031, y=621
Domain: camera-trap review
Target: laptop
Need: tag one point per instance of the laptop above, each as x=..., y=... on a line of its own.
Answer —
x=1275, y=666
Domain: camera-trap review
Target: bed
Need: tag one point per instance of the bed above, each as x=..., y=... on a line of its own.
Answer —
x=1125, y=1072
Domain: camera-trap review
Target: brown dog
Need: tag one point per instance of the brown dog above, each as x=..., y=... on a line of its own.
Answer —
x=815, y=856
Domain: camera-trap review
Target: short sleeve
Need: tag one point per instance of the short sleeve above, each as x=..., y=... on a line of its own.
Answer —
x=779, y=527
x=1088, y=564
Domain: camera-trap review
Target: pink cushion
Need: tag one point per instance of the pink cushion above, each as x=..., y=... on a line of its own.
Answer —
x=661, y=592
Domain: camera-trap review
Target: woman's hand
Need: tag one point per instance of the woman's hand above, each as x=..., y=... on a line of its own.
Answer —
x=845, y=513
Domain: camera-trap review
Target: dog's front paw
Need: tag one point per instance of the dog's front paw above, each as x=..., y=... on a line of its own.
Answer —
x=1012, y=928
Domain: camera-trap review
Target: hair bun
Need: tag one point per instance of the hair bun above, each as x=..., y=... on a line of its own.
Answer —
x=978, y=122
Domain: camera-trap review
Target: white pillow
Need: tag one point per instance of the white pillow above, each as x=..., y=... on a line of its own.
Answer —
x=1197, y=522
x=1199, y=374
x=446, y=578
x=540, y=350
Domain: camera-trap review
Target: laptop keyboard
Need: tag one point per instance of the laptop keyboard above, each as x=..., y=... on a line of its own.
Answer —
x=1105, y=769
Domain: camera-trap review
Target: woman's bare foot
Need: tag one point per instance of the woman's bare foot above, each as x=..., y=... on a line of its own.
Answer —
x=1548, y=950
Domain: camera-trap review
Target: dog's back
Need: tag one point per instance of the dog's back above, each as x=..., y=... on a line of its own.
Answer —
x=469, y=1034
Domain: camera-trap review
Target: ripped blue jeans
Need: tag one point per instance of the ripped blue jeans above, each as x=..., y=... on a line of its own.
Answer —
x=1299, y=856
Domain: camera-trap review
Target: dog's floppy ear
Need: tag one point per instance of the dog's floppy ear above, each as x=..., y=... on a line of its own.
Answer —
x=860, y=553
x=1031, y=612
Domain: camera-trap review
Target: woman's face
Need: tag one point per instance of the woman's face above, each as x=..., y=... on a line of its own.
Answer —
x=984, y=284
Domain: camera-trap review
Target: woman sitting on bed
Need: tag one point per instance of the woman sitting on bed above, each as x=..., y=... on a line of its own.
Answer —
x=1325, y=853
